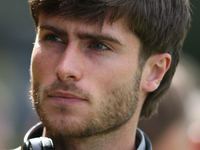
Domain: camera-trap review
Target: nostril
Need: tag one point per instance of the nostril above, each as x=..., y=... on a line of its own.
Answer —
x=71, y=77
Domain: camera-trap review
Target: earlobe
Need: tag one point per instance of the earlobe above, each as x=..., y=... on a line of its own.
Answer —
x=154, y=71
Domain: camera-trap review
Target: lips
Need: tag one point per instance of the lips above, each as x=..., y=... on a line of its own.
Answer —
x=64, y=94
x=65, y=98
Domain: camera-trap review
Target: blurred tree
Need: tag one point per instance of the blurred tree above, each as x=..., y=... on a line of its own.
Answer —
x=191, y=45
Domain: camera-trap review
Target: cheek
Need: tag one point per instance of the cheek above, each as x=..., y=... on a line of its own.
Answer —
x=41, y=66
x=115, y=74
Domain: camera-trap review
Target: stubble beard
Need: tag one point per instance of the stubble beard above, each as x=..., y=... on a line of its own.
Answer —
x=116, y=108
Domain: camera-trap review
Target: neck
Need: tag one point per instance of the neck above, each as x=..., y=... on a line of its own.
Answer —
x=122, y=138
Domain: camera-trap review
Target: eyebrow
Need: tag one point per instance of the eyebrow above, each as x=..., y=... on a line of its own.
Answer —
x=58, y=31
x=83, y=35
x=97, y=36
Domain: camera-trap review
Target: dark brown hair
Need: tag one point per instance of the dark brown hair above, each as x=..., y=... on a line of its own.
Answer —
x=161, y=26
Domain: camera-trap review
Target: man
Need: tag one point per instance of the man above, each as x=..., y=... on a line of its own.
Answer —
x=98, y=66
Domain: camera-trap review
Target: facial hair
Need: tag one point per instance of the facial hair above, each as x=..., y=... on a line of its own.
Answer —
x=116, y=107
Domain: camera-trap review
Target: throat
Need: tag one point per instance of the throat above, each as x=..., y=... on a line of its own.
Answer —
x=111, y=141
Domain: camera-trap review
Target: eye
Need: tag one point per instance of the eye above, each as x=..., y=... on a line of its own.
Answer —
x=99, y=46
x=52, y=38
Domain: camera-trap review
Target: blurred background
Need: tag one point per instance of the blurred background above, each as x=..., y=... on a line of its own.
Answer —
x=17, y=34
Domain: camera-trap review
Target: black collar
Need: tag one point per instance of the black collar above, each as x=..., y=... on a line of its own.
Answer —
x=142, y=141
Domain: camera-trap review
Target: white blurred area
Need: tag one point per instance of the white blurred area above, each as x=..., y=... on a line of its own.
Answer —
x=176, y=126
x=187, y=81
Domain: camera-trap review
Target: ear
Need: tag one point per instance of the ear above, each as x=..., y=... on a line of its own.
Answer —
x=154, y=71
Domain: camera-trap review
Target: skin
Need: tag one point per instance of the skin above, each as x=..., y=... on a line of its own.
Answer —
x=87, y=87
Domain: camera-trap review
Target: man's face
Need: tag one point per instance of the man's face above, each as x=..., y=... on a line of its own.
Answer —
x=85, y=79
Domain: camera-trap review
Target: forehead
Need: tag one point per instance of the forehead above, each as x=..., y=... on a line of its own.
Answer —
x=59, y=19
x=118, y=29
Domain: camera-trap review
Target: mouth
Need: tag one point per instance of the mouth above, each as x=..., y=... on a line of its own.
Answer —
x=65, y=98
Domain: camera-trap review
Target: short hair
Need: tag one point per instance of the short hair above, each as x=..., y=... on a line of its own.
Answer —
x=161, y=26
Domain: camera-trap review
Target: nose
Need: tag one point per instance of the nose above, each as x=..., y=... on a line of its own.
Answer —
x=70, y=64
